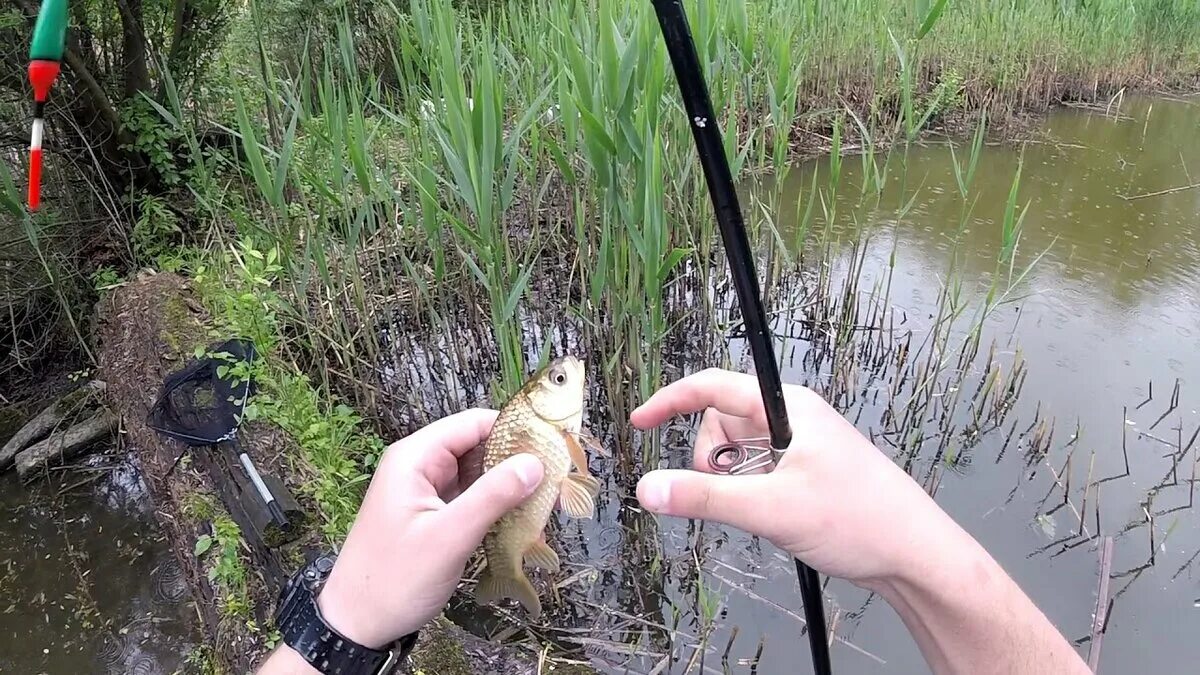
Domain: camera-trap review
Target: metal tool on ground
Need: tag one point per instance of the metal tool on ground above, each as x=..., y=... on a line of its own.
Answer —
x=707, y=134
x=45, y=59
x=203, y=405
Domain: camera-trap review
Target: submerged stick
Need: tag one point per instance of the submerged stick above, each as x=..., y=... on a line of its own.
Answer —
x=1100, y=618
x=1168, y=191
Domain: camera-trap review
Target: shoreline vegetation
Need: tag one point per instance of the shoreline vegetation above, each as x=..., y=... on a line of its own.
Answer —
x=405, y=208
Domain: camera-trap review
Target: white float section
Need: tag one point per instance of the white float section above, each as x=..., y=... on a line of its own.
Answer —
x=35, y=141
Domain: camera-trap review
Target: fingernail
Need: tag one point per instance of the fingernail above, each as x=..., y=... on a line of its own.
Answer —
x=529, y=471
x=655, y=493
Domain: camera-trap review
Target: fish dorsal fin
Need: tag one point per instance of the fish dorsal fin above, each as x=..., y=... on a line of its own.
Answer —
x=539, y=554
x=578, y=495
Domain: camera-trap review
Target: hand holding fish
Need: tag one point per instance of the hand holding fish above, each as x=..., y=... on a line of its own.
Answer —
x=417, y=527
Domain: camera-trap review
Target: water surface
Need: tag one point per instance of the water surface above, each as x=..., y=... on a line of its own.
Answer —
x=87, y=584
x=1108, y=307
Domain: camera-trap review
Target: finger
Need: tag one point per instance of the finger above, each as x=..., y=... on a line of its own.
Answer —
x=495, y=493
x=457, y=433
x=709, y=436
x=729, y=392
x=434, y=450
x=739, y=501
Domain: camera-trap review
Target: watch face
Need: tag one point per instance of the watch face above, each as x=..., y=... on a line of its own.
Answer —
x=324, y=565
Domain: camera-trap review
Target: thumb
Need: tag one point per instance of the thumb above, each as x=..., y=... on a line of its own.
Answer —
x=493, y=494
x=739, y=501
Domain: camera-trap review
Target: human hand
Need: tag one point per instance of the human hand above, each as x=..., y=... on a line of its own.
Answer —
x=834, y=500
x=417, y=527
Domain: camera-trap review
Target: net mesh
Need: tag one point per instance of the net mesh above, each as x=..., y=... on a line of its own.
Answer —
x=197, y=405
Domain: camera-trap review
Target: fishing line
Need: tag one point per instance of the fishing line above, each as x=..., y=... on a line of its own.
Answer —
x=705, y=130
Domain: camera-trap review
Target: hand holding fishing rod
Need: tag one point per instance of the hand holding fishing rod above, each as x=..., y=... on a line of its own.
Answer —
x=832, y=500
x=837, y=502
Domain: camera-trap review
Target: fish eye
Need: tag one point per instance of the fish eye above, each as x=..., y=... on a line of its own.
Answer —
x=558, y=377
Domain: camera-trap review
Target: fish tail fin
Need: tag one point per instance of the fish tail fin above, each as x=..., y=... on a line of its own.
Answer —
x=495, y=584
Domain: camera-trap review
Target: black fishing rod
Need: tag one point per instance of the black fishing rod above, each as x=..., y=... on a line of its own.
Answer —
x=707, y=133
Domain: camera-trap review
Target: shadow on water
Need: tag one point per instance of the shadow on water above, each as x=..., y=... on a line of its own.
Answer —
x=87, y=585
x=1069, y=418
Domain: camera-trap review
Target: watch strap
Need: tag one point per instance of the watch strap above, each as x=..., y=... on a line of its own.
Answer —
x=305, y=630
x=309, y=634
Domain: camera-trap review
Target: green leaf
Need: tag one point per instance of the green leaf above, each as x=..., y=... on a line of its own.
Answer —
x=596, y=130
x=204, y=543
x=931, y=18
x=670, y=262
x=510, y=303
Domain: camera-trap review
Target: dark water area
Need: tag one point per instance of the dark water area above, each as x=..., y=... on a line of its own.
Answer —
x=87, y=583
x=1105, y=326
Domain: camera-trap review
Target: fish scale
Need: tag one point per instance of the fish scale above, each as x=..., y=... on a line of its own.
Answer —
x=522, y=431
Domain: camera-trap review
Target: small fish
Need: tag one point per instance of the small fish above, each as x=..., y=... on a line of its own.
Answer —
x=544, y=418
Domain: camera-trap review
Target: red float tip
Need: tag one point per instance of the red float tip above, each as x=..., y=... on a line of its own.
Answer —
x=42, y=75
x=35, y=178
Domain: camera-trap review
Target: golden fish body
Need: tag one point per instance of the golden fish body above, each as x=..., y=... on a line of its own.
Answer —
x=544, y=419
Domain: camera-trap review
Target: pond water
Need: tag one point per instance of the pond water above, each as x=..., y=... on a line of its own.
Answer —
x=1106, y=326
x=87, y=585
x=1109, y=311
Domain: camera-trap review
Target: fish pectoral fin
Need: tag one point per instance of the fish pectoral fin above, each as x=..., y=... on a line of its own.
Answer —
x=539, y=554
x=578, y=494
x=575, y=450
x=592, y=442
x=493, y=587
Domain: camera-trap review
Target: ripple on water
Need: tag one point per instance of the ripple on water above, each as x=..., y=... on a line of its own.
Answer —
x=169, y=585
x=144, y=665
x=112, y=652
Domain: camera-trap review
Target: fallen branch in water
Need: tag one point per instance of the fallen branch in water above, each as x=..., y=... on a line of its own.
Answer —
x=1100, y=616
x=47, y=420
x=64, y=445
x=1168, y=191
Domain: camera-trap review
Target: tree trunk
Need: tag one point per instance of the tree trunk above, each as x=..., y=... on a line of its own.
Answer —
x=133, y=47
x=67, y=444
x=45, y=421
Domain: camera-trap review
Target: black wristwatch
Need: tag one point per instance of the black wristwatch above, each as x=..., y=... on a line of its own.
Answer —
x=304, y=629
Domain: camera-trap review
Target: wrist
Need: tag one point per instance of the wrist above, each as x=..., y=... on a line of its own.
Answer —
x=931, y=552
x=345, y=611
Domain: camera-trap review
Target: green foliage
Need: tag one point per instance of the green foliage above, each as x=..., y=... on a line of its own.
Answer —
x=337, y=451
x=226, y=569
x=156, y=231
x=203, y=660
x=151, y=137
x=105, y=278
